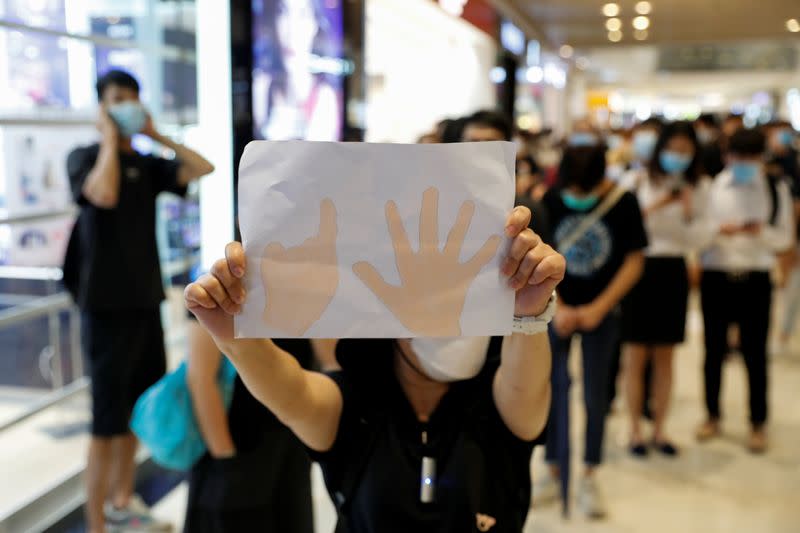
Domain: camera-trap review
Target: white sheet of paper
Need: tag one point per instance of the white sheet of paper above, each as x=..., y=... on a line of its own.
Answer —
x=281, y=188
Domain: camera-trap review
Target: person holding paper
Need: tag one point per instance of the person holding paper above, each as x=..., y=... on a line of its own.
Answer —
x=112, y=270
x=599, y=228
x=412, y=434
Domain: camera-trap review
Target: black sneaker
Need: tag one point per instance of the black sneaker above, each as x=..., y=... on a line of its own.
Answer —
x=638, y=450
x=666, y=448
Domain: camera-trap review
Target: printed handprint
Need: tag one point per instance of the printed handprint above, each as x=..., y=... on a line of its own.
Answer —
x=433, y=283
x=300, y=282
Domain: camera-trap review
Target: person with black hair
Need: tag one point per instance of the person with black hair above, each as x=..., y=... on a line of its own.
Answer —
x=486, y=125
x=598, y=227
x=643, y=142
x=709, y=135
x=112, y=270
x=672, y=196
x=412, y=434
x=750, y=220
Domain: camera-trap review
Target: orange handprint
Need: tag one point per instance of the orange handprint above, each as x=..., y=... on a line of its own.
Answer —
x=433, y=283
x=300, y=282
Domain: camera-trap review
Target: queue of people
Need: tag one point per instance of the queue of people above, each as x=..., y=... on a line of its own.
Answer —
x=603, y=249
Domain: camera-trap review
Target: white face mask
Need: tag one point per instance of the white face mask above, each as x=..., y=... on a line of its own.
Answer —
x=451, y=359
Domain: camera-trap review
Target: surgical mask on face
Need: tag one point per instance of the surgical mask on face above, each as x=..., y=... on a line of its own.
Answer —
x=786, y=138
x=579, y=203
x=674, y=163
x=130, y=117
x=644, y=144
x=582, y=139
x=745, y=173
x=451, y=359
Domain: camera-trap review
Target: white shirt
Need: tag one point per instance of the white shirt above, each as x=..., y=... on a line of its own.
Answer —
x=738, y=204
x=669, y=232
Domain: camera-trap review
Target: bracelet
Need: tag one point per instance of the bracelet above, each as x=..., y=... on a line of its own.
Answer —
x=533, y=325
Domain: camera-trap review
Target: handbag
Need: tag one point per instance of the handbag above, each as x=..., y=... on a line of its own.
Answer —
x=611, y=199
x=164, y=421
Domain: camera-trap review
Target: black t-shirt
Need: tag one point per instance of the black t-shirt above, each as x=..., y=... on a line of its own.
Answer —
x=540, y=222
x=112, y=259
x=481, y=466
x=593, y=261
x=249, y=420
x=789, y=166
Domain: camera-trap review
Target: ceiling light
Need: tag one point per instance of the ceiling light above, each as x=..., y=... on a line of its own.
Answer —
x=793, y=25
x=566, y=51
x=641, y=23
x=582, y=63
x=611, y=10
x=615, y=36
x=534, y=74
x=644, y=8
x=641, y=35
x=613, y=24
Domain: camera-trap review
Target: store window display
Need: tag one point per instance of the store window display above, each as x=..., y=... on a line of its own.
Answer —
x=297, y=77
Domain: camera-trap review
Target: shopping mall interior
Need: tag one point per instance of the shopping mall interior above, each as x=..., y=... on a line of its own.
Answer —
x=215, y=75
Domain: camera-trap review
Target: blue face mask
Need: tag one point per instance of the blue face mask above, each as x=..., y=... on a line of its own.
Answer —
x=579, y=203
x=582, y=139
x=644, y=144
x=786, y=138
x=745, y=173
x=674, y=163
x=130, y=117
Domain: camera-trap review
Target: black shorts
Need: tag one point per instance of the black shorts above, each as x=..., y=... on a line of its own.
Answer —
x=126, y=355
x=654, y=312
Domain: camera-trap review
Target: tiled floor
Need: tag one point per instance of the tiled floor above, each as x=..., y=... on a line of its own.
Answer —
x=714, y=487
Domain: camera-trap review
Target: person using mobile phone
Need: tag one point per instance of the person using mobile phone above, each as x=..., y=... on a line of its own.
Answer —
x=750, y=215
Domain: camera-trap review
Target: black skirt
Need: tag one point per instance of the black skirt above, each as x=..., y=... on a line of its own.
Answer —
x=654, y=312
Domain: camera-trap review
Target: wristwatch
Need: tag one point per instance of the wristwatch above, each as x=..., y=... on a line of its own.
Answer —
x=533, y=325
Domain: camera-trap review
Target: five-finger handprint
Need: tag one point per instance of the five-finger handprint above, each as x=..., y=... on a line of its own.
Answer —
x=433, y=281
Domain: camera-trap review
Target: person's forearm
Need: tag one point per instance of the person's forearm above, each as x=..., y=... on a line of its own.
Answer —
x=309, y=403
x=273, y=376
x=196, y=164
x=625, y=279
x=212, y=417
x=102, y=183
x=522, y=384
x=325, y=353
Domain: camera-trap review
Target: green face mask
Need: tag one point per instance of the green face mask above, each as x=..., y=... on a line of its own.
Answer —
x=579, y=203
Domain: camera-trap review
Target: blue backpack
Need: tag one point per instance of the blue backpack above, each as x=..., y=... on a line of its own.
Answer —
x=163, y=418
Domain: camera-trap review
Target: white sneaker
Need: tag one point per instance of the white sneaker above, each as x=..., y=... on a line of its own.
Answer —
x=135, y=517
x=590, y=499
x=545, y=490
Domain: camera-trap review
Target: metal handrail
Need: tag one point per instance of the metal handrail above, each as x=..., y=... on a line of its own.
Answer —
x=57, y=396
x=168, y=51
x=36, y=217
x=38, y=307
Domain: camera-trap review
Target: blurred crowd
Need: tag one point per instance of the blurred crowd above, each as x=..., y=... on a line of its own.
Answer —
x=709, y=205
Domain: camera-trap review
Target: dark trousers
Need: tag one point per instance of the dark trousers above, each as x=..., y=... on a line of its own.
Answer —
x=743, y=299
x=597, y=348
